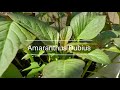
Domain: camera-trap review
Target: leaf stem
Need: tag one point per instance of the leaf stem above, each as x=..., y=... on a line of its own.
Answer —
x=86, y=68
x=49, y=58
x=69, y=17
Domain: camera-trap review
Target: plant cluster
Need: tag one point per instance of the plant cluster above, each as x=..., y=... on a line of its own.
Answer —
x=88, y=45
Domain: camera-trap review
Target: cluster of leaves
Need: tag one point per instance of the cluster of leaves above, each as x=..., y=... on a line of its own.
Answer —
x=20, y=30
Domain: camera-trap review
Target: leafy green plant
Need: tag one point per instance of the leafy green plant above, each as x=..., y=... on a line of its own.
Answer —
x=87, y=29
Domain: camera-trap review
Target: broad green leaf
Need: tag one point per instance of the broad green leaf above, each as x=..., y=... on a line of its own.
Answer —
x=12, y=72
x=104, y=37
x=12, y=38
x=79, y=22
x=34, y=71
x=113, y=49
x=32, y=66
x=75, y=13
x=87, y=25
x=65, y=35
x=93, y=28
x=70, y=68
x=47, y=34
x=110, y=71
x=96, y=55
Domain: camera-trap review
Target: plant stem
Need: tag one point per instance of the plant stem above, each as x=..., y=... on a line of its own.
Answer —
x=108, y=20
x=63, y=57
x=78, y=40
x=86, y=68
x=69, y=16
x=48, y=19
x=49, y=58
x=18, y=62
x=59, y=21
x=41, y=60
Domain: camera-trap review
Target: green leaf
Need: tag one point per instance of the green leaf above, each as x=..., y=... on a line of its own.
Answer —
x=111, y=55
x=40, y=53
x=12, y=38
x=32, y=66
x=70, y=68
x=116, y=29
x=117, y=42
x=87, y=25
x=79, y=22
x=113, y=49
x=2, y=18
x=65, y=35
x=110, y=71
x=93, y=28
x=12, y=72
x=26, y=57
x=96, y=55
x=34, y=71
x=44, y=32
x=29, y=54
x=104, y=37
